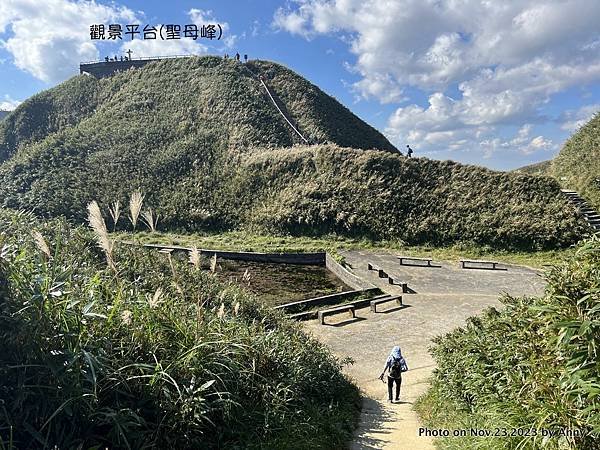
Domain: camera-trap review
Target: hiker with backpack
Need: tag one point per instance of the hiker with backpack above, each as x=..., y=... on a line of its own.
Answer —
x=396, y=365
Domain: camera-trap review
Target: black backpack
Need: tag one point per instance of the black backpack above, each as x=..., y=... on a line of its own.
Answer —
x=398, y=366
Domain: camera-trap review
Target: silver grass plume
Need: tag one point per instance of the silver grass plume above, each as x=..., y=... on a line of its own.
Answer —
x=213, y=263
x=195, y=257
x=115, y=213
x=150, y=219
x=97, y=224
x=41, y=243
x=135, y=207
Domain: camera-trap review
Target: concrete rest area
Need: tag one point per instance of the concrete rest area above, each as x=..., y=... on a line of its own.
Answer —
x=444, y=298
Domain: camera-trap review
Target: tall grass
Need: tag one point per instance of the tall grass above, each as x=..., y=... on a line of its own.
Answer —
x=41, y=243
x=115, y=213
x=150, y=219
x=90, y=360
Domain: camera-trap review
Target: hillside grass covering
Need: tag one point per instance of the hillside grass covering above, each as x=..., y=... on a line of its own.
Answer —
x=530, y=368
x=147, y=352
x=320, y=190
x=541, y=168
x=383, y=196
x=200, y=139
x=577, y=165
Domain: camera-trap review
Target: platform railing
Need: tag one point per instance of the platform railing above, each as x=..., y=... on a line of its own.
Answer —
x=141, y=58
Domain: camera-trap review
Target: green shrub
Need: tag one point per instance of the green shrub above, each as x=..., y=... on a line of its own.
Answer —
x=153, y=354
x=532, y=365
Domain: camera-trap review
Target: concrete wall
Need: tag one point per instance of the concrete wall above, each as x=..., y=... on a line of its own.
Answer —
x=314, y=259
x=345, y=275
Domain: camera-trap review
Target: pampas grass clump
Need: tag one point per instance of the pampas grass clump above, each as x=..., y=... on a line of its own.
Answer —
x=97, y=224
x=150, y=219
x=135, y=207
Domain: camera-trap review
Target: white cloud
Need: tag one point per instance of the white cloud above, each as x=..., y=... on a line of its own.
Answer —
x=573, y=119
x=9, y=104
x=483, y=64
x=48, y=39
x=157, y=47
x=205, y=17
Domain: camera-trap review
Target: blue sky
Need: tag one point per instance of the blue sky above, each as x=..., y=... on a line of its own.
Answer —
x=499, y=84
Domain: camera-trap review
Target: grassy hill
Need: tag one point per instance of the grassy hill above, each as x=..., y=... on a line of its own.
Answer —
x=578, y=163
x=540, y=168
x=206, y=146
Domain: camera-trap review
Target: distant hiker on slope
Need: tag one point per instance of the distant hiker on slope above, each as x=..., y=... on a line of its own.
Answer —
x=409, y=151
x=396, y=365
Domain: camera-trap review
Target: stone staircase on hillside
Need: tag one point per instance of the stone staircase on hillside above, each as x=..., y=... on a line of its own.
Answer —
x=282, y=109
x=590, y=215
x=277, y=102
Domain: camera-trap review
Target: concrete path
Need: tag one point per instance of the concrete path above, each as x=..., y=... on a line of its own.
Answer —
x=444, y=298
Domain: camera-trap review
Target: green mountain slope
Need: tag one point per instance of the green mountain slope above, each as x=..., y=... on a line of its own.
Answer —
x=577, y=165
x=540, y=168
x=48, y=112
x=173, y=99
x=207, y=147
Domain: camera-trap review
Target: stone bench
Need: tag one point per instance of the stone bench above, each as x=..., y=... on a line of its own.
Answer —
x=412, y=261
x=332, y=311
x=479, y=264
x=379, y=301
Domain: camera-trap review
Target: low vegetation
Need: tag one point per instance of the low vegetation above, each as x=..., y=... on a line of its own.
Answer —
x=529, y=369
x=110, y=346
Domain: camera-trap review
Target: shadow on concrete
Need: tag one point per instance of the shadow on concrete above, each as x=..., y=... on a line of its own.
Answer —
x=396, y=308
x=372, y=424
x=343, y=323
